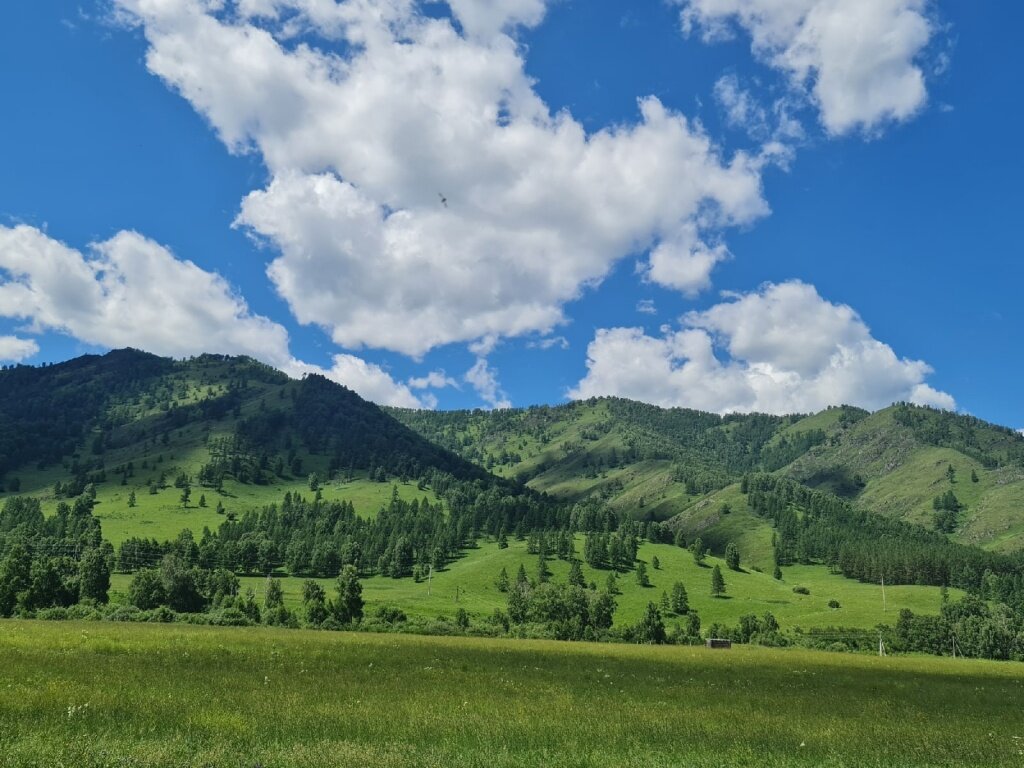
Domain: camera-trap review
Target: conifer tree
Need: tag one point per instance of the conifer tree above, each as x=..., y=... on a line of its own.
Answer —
x=717, y=582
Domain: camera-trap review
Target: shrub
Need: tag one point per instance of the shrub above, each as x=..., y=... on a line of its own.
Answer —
x=802, y=590
x=833, y=604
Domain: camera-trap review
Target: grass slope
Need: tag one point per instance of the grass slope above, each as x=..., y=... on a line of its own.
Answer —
x=198, y=696
x=903, y=473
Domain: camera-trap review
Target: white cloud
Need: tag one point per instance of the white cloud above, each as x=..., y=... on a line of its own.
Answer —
x=484, y=380
x=684, y=262
x=364, y=138
x=859, y=59
x=433, y=380
x=14, y=349
x=550, y=342
x=788, y=351
x=486, y=18
x=368, y=380
x=131, y=291
x=646, y=307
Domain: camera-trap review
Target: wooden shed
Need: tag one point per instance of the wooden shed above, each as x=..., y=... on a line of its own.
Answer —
x=718, y=643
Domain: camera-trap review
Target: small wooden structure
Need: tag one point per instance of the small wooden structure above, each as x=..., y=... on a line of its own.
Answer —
x=718, y=643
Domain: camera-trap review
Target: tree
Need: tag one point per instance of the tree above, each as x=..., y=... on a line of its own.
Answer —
x=314, y=599
x=641, y=575
x=777, y=573
x=655, y=563
x=680, y=539
x=94, y=577
x=186, y=494
x=502, y=582
x=131, y=498
x=974, y=476
x=651, y=628
x=951, y=474
x=697, y=549
x=202, y=500
x=146, y=590
x=521, y=578
x=542, y=567
x=180, y=585
x=349, y=607
x=680, y=601
x=717, y=582
x=732, y=556
x=576, y=574
x=274, y=596
x=612, y=584
x=314, y=482
x=15, y=576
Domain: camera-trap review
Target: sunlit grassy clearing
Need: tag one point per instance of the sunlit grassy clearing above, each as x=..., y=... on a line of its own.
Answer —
x=472, y=580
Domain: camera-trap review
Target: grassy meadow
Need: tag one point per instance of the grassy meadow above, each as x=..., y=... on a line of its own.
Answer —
x=471, y=579
x=203, y=696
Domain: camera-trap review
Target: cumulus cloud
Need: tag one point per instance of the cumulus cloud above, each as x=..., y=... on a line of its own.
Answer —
x=484, y=379
x=786, y=350
x=14, y=349
x=433, y=380
x=366, y=379
x=131, y=291
x=422, y=193
x=858, y=59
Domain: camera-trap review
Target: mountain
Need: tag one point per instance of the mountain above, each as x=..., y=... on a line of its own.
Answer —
x=131, y=424
x=683, y=465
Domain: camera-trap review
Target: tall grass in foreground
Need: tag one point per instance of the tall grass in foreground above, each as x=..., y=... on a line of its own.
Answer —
x=138, y=695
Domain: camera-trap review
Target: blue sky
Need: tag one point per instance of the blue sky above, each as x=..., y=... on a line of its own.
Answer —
x=895, y=203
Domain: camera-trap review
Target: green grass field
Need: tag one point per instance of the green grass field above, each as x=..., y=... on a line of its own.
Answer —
x=92, y=695
x=472, y=580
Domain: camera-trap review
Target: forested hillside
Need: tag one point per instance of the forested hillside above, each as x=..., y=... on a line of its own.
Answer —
x=949, y=473
x=170, y=484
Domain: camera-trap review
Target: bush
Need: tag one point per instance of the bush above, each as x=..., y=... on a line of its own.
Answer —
x=52, y=614
x=161, y=614
x=390, y=615
x=802, y=590
x=124, y=613
x=833, y=604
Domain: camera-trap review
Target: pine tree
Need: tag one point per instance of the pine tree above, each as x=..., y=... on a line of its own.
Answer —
x=777, y=573
x=521, y=578
x=717, y=582
x=131, y=498
x=732, y=556
x=655, y=563
x=576, y=574
x=612, y=584
x=680, y=601
x=502, y=582
x=641, y=575
x=697, y=548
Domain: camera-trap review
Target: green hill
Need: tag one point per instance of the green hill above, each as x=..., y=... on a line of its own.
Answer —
x=239, y=433
x=657, y=464
x=225, y=464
